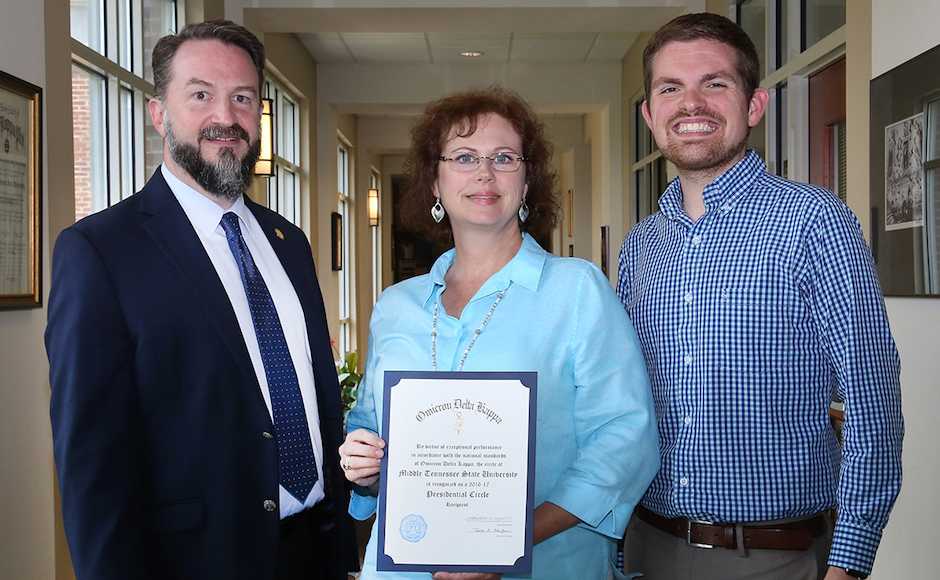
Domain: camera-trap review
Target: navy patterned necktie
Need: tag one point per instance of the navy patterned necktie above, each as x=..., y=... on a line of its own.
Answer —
x=295, y=451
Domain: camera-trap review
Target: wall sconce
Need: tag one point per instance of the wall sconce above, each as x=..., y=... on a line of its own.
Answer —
x=373, y=206
x=265, y=163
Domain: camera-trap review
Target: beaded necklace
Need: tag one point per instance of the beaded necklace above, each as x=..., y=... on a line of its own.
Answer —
x=476, y=333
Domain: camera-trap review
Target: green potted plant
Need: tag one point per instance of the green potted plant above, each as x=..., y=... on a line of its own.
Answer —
x=348, y=375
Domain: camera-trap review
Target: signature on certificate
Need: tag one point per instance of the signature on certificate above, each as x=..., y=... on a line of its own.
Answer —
x=498, y=526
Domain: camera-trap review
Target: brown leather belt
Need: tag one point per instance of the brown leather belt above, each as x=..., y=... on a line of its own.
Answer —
x=798, y=535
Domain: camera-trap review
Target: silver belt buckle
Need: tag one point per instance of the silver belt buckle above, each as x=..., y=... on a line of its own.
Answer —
x=688, y=535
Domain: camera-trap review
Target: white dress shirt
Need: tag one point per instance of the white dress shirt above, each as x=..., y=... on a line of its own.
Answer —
x=205, y=216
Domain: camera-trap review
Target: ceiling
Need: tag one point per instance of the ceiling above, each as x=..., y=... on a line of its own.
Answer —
x=439, y=47
x=437, y=31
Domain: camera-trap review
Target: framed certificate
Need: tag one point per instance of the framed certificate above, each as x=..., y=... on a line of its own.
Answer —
x=458, y=473
x=20, y=192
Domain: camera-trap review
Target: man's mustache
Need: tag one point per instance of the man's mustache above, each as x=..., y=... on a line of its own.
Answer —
x=222, y=132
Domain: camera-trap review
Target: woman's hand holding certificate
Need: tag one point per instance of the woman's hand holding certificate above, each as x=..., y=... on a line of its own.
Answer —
x=361, y=457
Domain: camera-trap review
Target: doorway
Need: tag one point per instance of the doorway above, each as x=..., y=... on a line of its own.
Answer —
x=827, y=136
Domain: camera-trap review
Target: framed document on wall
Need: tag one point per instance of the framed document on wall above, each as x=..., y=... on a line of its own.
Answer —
x=20, y=192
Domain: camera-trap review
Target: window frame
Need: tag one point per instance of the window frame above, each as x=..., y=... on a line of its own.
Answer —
x=931, y=231
x=792, y=72
x=119, y=128
x=282, y=165
x=650, y=164
x=346, y=281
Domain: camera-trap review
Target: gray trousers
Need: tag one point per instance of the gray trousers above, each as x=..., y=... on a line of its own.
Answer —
x=661, y=556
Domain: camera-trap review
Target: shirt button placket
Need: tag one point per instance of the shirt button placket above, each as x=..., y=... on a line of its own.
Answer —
x=689, y=300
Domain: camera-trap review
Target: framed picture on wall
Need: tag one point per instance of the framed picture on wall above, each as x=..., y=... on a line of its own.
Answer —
x=20, y=193
x=605, y=251
x=336, y=241
x=904, y=176
x=904, y=173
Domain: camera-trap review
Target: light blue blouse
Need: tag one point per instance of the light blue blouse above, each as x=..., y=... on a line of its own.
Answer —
x=596, y=441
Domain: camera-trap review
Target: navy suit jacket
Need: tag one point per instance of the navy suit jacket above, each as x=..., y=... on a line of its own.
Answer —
x=159, y=426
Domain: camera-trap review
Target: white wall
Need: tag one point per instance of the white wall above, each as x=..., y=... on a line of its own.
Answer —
x=26, y=512
x=376, y=137
x=575, y=174
x=910, y=538
x=567, y=135
x=902, y=29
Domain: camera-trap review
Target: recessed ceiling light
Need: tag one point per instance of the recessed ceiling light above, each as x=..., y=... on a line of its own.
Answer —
x=472, y=53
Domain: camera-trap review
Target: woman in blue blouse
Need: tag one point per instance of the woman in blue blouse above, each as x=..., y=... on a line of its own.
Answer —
x=480, y=162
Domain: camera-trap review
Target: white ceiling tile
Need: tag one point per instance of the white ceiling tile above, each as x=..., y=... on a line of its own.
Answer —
x=387, y=46
x=611, y=46
x=551, y=47
x=326, y=47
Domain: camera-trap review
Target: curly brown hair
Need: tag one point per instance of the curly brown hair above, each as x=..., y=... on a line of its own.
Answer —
x=462, y=111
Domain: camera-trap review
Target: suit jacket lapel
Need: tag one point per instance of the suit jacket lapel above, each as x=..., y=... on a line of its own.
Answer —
x=171, y=230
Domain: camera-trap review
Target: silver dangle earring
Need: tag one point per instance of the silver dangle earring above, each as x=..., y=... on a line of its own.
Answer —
x=523, y=212
x=437, y=211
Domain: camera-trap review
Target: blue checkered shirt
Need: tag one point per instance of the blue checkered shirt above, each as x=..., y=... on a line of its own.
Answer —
x=751, y=319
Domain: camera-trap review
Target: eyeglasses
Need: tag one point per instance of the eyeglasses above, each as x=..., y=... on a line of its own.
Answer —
x=468, y=162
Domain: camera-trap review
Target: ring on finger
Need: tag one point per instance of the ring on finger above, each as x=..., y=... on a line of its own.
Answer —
x=345, y=464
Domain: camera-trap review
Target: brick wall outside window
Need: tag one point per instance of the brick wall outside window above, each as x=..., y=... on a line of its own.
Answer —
x=81, y=136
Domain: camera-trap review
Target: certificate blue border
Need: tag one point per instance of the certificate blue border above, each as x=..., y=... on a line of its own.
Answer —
x=523, y=565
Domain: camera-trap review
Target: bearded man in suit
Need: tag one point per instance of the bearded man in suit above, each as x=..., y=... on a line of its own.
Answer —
x=195, y=407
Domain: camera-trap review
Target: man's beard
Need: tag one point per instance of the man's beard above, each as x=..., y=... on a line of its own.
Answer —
x=228, y=177
x=705, y=156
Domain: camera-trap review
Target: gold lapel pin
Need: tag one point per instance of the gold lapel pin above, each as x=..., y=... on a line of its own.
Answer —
x=279, y=233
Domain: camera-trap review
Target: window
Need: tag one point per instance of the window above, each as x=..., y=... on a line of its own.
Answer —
x=821, y=18
x=375, y=181
x=752, y=17
x=780, y=115
x=932, y=197
x=783, y=29
x=784, y=46
x=115, y=147
x=649, y=166
x=284, y=185
x=345, y=210
x=88, y=124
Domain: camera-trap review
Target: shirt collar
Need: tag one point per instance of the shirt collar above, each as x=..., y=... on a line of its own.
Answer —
x=726, y=190
x=204, y=214
x=524, y=269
